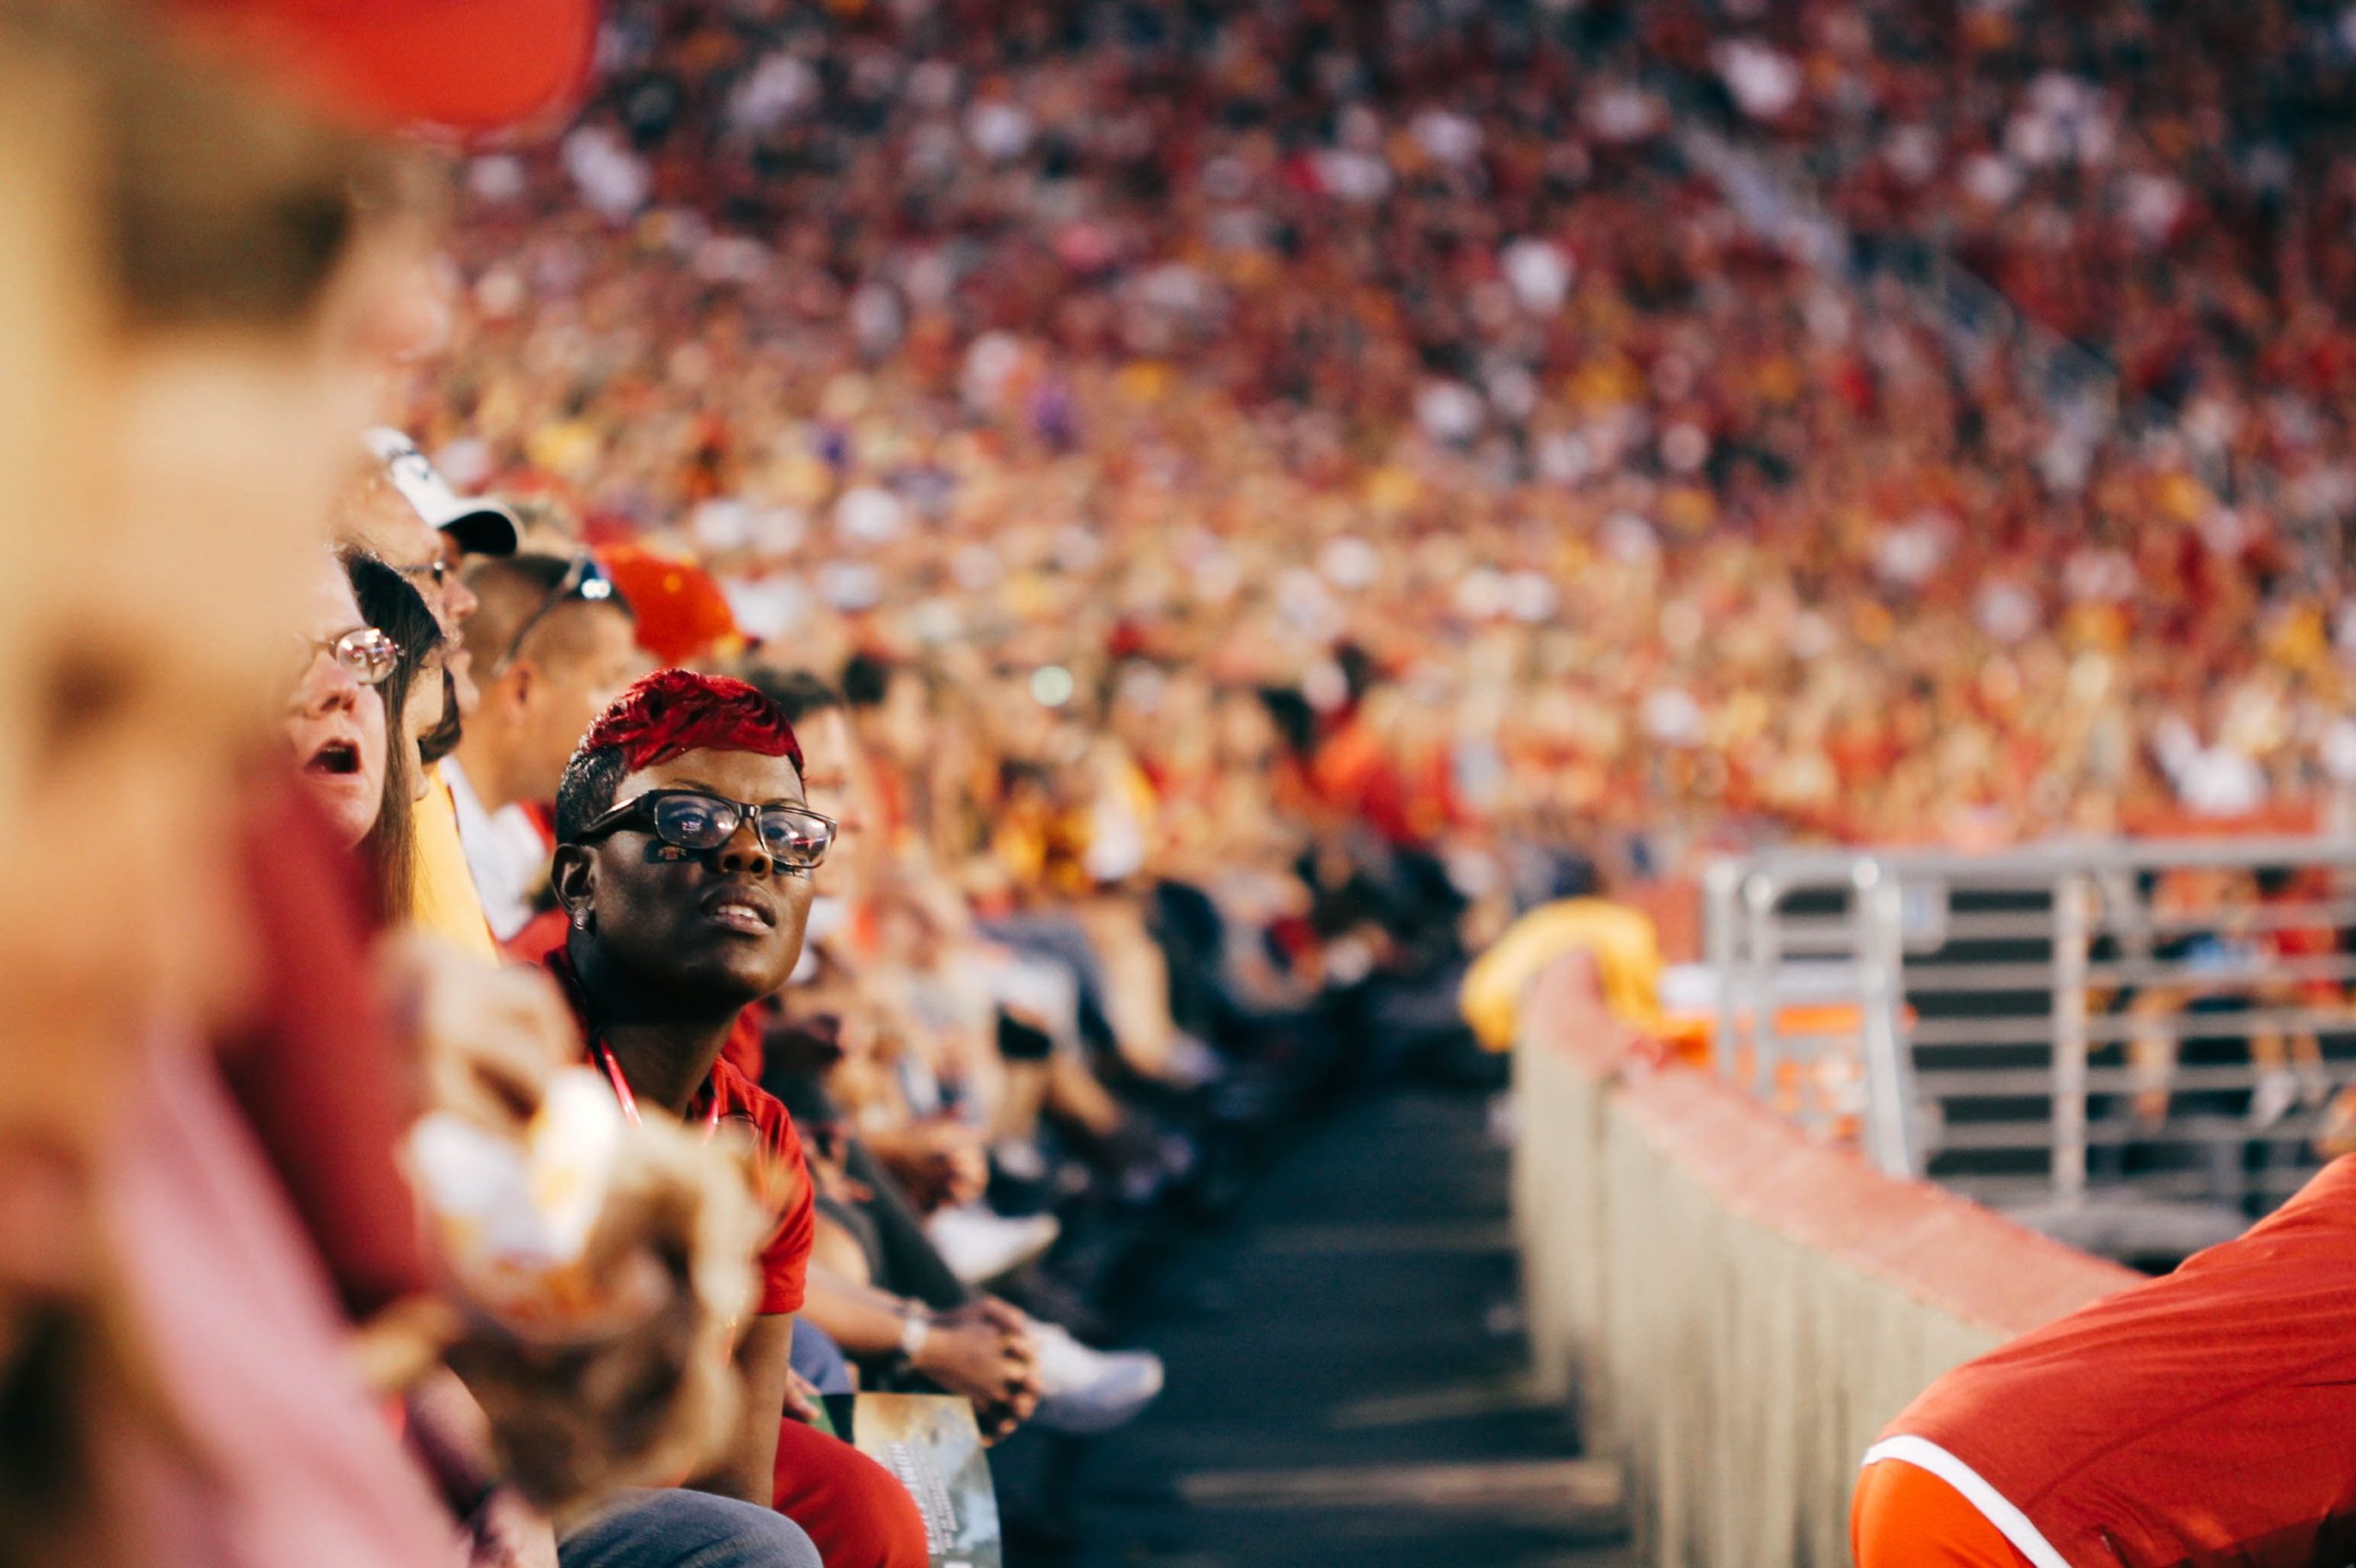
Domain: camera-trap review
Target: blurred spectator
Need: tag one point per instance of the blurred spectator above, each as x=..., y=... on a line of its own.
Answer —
x=550, y=645
x=400, y=510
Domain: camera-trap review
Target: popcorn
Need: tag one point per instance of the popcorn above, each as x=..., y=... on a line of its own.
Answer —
x=513, y=1220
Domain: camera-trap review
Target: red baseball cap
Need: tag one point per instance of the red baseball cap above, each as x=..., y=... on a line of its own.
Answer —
x=466, y=67
x=683, y=616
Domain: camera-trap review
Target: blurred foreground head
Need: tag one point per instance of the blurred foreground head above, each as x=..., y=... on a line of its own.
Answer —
x=203, y=286
x=194, y=333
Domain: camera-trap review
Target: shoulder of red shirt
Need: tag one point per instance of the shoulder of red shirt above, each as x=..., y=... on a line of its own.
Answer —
x=785, y=1257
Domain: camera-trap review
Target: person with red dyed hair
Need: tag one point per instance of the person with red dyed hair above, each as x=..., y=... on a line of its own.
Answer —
x=684, y=845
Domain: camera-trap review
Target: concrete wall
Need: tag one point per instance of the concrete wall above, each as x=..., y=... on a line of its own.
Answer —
x=1738, y=1311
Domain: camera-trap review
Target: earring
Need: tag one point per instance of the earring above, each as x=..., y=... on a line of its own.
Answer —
x=580, y=918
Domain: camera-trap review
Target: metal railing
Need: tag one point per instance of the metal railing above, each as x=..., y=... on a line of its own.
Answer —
x=2132, y=1045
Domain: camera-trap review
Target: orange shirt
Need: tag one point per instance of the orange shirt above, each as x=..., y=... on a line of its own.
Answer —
x=2208, y=1417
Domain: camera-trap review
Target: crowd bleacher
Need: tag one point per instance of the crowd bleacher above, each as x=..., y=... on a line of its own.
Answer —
x=1212, y=342
x=1223, y=506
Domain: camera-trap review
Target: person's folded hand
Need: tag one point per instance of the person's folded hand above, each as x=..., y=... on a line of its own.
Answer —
x=941, y=1163
x=983, y=1350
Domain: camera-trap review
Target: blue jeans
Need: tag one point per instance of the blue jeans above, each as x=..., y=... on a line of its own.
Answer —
x=820, y=1359
x=677, y=1528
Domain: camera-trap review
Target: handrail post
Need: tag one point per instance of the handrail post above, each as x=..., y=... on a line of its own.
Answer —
x=1759, y=895
x=1721, y=933
x=2072, y=919
x=1881, y=954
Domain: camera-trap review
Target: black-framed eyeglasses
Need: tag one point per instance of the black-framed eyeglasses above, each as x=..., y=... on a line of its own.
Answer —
x=365, y=653
x=583, y=580
x=697, y=820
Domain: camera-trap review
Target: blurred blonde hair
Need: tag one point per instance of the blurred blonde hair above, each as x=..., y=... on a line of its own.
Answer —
x=144, y=191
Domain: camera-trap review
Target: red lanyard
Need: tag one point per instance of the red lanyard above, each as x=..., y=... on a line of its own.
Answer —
x=630, y=1102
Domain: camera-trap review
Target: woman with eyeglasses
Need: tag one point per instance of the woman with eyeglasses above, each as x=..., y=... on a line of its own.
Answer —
x=416, y=698
x=369, y=691
x=335, y=716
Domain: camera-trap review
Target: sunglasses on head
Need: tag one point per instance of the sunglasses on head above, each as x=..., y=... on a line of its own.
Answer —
x=583, y=580
x=365, y=653
x=691, y=819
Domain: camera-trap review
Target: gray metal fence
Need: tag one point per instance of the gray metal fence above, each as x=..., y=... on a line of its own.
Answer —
x=2133, y=1046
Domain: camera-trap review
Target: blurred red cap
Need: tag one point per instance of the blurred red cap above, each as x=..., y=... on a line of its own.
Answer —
x=461, y=65
x=682, y=615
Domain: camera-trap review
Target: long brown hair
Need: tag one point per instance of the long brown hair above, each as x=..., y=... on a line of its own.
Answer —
x=393, y=608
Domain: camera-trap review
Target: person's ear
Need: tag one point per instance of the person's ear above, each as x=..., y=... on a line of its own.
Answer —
x=504, y=696
x=572, y=876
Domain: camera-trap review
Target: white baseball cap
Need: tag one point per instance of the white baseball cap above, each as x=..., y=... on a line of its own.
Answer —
x=477, y=525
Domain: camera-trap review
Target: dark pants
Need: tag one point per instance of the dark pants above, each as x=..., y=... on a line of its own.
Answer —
x=676, y=1528
x=819, y=1360
x=901, y=1255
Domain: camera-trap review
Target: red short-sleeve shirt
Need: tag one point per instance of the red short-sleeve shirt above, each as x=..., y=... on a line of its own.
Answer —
x=782, y=1171
x=784, y=1181
x=2206, y=1418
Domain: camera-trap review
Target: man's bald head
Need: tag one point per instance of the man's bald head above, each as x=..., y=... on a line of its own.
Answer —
x=522, y=612
x=548, y=661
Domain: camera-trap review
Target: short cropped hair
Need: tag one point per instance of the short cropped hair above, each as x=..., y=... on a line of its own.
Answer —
x=586, y=792
x=802, y=693
x=866, y=680
x=666, y=714
x=512, y=589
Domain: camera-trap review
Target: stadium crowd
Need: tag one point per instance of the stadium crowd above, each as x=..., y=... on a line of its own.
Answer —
x=985, y=599
x=1210, y=343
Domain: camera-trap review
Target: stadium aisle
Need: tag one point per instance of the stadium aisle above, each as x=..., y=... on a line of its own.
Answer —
x=1345, y=1373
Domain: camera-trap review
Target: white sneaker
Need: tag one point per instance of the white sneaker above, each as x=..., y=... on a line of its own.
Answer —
x=978, y=1244
x=2276, y=1092
x=1192, y=1064
x=2315, y=1085
x=1084, y=1391
x=1020, y=1158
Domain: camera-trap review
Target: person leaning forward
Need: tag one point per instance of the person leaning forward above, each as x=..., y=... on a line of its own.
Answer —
x=2201, y=1418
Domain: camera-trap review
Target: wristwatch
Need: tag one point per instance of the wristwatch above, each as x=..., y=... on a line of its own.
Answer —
x=915, y=1328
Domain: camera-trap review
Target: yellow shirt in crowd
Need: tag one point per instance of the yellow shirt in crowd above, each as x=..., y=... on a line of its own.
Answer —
x=447, y=905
